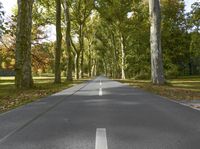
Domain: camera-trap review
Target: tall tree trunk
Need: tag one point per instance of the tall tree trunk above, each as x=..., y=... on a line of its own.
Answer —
x=67, y=39
x=190, y=67
x=115, y=60
x=82, y=62
x=155, y=40
x=75, y=67
x=23, y=77
x=76, y=59
x=93, y=68
x=58, y=42
x=122, y=58
x=115, y=63
x=105, y=67
x=76, y=62
x=81, y=42
x=89, y=63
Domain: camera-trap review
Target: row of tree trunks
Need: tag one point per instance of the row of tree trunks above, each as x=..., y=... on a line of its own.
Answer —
x=79, y=52
x=23, y=78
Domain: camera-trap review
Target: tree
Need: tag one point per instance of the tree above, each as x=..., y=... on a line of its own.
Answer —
x=1, y=20
x=90, y=31
x=194, y=17
x=155, y=41
x=137, y=47
x=175, y=38
x=115, y=13
x=112, y=39
x=23, y=77
x=194, y=24
x=67, y=39
x=58, y=42
x=81, y=11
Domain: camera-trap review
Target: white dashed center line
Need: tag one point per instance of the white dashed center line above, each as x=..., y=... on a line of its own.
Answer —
x=100, y=89
x=100, y=92
x=101, y=139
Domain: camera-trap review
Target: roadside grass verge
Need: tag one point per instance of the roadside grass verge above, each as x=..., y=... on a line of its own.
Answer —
x=183, y=88
x=10, y=97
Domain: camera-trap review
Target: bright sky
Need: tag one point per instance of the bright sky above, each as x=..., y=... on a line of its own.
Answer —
x=8, y=5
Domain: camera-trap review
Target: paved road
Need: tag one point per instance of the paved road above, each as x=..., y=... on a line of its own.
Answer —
x=113, y=117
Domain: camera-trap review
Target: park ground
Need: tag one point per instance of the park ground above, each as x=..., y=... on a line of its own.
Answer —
x=185, y=90
x=10, y=97
x=182, y=89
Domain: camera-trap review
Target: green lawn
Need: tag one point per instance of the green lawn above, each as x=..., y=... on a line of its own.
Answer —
x=10, y=97
x=183, y=88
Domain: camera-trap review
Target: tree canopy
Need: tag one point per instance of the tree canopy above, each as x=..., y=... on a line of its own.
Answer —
x=110, y=37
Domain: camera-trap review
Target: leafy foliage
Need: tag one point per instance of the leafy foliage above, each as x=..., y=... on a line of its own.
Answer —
x=1, y=20
x=96, y=35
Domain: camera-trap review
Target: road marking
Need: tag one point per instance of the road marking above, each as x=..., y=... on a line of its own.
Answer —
x=100, y=82
x=101, y=139
x=100, y=92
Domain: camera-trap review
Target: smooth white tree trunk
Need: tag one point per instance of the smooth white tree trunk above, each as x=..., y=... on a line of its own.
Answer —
x=122, y=58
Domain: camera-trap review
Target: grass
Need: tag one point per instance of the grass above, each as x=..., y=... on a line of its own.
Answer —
x=183, y=88
x=10, y=97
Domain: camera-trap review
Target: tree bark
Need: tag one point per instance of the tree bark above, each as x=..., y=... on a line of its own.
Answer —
x=23, y=77
x=81, y=65
x=122, y=58
x=76, y=62
x=89, y=61
x=67, y=39
x=82, y=62
x=155, y=41
x=94, y=63
x=58, y=42
x=115, y=59
x=81, y=42
x=76, y=59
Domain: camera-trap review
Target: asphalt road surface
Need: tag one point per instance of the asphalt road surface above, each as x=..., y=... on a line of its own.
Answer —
x=101, y=114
